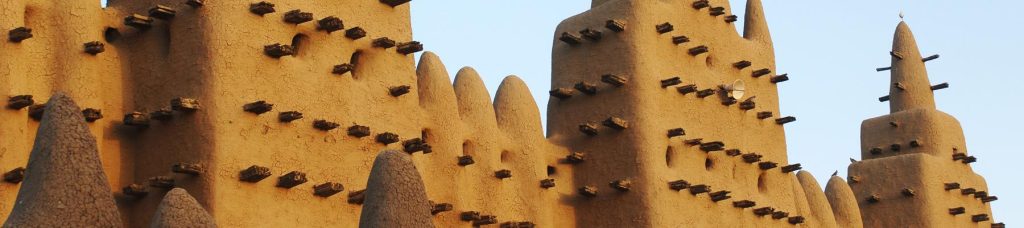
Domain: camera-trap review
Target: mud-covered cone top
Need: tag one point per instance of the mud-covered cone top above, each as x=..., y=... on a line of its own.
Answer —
x=179, y=209
x=64, y=183
x=908, y=70
x=395, y=196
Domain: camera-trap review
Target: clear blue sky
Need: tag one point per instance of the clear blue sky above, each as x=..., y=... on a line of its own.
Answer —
x=829, y=48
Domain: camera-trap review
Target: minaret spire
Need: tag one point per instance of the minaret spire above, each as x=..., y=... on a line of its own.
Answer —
x=910, y=88
x=755, y=26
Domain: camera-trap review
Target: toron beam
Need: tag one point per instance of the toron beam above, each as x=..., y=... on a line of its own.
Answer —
x=621, y=185
x=664, y=28
x=187, y=168
x=940, y=86
x=291, y=179
x=590, y=34
x=94, y=48
x=19, y=34
x=930, y=58
x=409, y=47
x=289, y=116
x=330, y=24
x=614, y=80
x=258, y=107
x=561, y=93
x=135, y=190
x=671, y=82
x=394, y=3
x=327, y=189
x=261, y=8
x=19, y=102
x=162, y=12
x=588, y=191
x=615, y=25
x=586, y=88
x=254, y=174
x=297, y=17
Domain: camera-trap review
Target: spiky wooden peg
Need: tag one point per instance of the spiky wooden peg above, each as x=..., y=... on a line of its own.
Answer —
x=712, y=146
x=700, y=188
x=94, y=47
x=163, y=114
x=162, y=12
x=880, y=69
x=398, y=91
x=182, y=104
x=561, y=93
x=796, y=220
x=92, y=114
x=967, y=191
x=342, y=68
x=686, y=89
x=678, y=185
x=278, y=50
x=767, y=165
x=764, y=115
x=987, y=199
x=355, y=33
x=895, y=147
x=437, y=208
x=503, y=174
x=896, y=55
x=289, y=116
x=969, y=160
x=728, y=101
x=700, y=4
x=719, y=194
x=733, y=152
x=588, y=191
x=466, y=160
x=394, y=3
x=671, y=82
x=980, y=194
x=979, y=218
x=698, y=50
x=616, y=123
x=547, y=183
x=940, y=86
x=874, y=198
x=621, y=185
x=675, y=132
x=383, y=42
x=409, y=47
x=664, y=28
x=359, y=131
x=135, y=190
x=785, y=120
x=615, y=25
x=741, y=64
x=748, y=104
x=951, y=186
x=195, y=3
x=763, y=211
x=693, y=142
x=957, y=210
x=357, y=197
x=731, y=18
x=387, y=138
x=589, y=129
x=325, y=125
x=779, y=78
x=416, y=145
x=297, y=17
x=254, y=174
x=575, y=158
x=19, y=34
x=15, y=176
x=779, y=215
x=791, y=168
x=291, y=179
x=469, y=216
x=187, y=168
x=136, y=119
x=163, y=182
x=19, y=102
x=930, y=58
x=614, y=80
x=586, y=88
x=258, y=107
x=853, y=179
x=761, y=72
x=705, y=93
x=998, y=225
x=908, y=192
x=327, y=189
x=261, y=8
x=36, y=111
x=751, y=158
x=591, y=34
x=138, y=21
x=485, y=220
x=744, y=204
x=677, y=40
x=717, y=11
x=328, y=24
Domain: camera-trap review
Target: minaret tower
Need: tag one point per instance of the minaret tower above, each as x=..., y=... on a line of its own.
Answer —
x=915, y=169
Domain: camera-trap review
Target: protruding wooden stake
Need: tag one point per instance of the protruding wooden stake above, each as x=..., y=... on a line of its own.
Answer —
x=327, y=189
x=254, y=174
x=561, y=93
x=615, y=25
x=297, y=17
x=163, y=182
x=193, y=169
x=162, y=12
x=261, y=8
x=289, y=116
x=19, y=34
x=291, y=179
x=135, y=190
x=355, y=33
x=387, y=138
x=258, y=107
x=588, y=191
x=409, y=47
x=664, y=28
